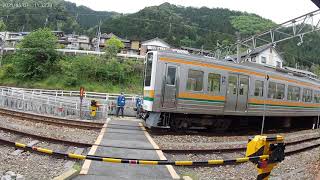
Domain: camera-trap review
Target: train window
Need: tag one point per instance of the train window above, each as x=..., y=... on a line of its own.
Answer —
x=293, y=93
x=195, y=80
x=232, y=86
x=244, y=84
x=214, y=82
x=272, y=90
x=276, y=90
x=171, y=75
x=317, y=97
x=307, y=95
x=280, y=91
x=258, y=88
x=148, y=68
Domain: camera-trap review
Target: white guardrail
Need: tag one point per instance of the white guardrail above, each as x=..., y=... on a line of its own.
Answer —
x=68, y=100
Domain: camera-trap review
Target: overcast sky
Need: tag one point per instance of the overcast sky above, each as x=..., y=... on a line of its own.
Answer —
x=276, y=10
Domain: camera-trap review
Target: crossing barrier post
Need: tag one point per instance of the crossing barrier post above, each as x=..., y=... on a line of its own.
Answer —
x=94, y=107
x=263, y=145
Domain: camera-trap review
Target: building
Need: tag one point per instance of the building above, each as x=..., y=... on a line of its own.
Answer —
x=72, y=42
x=153, y=44
x=84, y=42
x=265, y=55
x=12, y=38
x=77, y=42
x=131, y=47
x=134, y=49
x=105, y=37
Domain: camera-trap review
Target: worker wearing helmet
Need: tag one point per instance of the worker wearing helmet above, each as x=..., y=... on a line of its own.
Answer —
x=121, y=102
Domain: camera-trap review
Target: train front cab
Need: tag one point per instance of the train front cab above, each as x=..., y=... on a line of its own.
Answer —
x=160, y=91
x=149, y=87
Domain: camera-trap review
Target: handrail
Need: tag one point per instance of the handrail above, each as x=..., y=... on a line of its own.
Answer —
x=70, y=93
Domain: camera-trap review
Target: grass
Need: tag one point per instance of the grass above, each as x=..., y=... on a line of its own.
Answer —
x=59, y=82
x=191, y=175
x=69, y=73
x=77, y=167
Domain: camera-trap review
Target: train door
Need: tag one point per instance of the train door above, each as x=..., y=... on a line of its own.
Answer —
x=170, y=84
x=237, y=93
x=243, y=88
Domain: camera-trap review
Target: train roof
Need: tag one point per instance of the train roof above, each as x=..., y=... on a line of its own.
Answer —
x=246, y=65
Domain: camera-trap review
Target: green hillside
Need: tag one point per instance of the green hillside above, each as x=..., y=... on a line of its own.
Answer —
x=205, y=27
x=28, y=15
x=179, y=26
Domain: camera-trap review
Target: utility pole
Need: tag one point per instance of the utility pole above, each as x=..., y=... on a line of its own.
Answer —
x=202, y=50
x=238, y=47
x=2, y=43
x=98, y=38
x=45, y=23
x=264, y=102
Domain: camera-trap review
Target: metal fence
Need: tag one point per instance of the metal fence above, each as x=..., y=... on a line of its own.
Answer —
x=67, y=101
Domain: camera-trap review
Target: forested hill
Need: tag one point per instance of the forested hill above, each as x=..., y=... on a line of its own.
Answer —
x=28, y=15
x=179, y=26
x=185, y=26
x=204, y=27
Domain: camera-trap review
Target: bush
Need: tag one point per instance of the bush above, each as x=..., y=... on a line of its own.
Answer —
x=9, y=70
x=70, y=72
x=37, y=57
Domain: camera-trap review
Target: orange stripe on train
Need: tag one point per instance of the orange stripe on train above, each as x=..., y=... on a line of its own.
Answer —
x=233, y=70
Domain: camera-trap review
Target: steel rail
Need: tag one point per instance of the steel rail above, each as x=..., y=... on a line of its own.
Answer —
x=169, y=151
x=51, y=120
x=45, y=138
x=219, y=162
x=225, y=150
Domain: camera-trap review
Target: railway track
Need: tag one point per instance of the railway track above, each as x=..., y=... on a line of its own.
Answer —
x=237, y=149
x=287, y=153
x=51, y=120
x=309, y=143
x=43, y=138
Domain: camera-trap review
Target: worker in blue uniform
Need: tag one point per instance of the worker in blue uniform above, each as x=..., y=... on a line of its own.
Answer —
x=138, y=106
x=121, y=102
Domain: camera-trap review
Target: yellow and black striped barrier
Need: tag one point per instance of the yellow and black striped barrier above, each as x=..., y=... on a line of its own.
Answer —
x=264, y=151
x=143, y=162
x=264, y=145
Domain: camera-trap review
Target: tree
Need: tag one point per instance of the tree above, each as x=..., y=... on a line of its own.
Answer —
x=37, y=55
x=113, y=46
x=3, y=26
x=251, y=24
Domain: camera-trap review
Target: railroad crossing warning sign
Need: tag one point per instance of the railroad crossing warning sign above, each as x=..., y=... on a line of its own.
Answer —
x=81, y=97
x=81, y=92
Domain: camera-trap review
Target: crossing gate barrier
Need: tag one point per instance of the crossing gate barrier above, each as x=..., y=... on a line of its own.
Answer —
x=264, y=151
x=262, y=145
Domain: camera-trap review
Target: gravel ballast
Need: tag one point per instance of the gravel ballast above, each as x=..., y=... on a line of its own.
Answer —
x=66, y=133
x=215, y=142
x=30, y=165
x=299, y=166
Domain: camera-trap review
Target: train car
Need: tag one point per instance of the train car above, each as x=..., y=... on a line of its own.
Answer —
x=182, y=90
